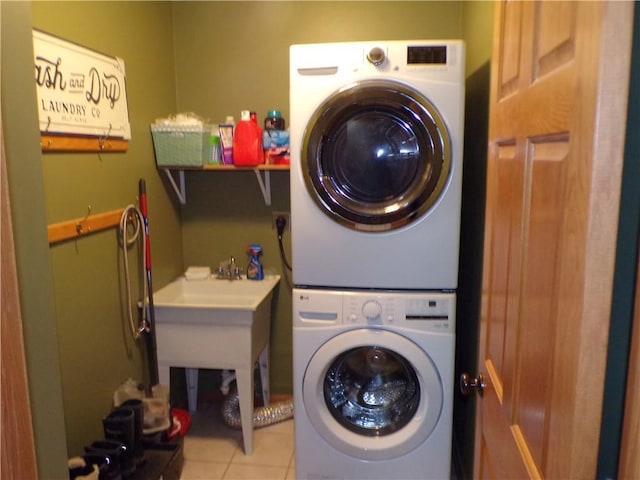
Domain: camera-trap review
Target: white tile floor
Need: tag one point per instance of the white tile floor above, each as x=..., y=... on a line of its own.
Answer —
x=213, y=451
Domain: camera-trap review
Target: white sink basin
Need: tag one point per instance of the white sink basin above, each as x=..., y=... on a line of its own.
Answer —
x=216, y=294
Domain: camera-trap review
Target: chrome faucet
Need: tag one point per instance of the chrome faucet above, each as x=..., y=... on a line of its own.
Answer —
x=228, y=270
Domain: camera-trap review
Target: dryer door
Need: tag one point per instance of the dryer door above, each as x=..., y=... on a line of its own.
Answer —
x=376, y=155
x=372, y=394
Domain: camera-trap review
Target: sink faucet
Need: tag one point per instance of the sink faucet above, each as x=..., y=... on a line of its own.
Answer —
x=228, y=270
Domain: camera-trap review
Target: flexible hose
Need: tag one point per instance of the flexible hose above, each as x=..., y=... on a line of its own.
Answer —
x=281, y=223
x=262, y=416
x=283, y=254
x=133, y=216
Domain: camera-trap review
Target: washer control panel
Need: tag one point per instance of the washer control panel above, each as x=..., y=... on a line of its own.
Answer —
x=432, y=311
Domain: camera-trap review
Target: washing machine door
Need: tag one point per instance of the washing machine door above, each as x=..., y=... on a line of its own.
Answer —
x=372, y=394
x=376, y=155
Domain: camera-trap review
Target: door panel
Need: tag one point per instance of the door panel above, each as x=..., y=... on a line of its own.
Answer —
x=495, y=461
x=510, y=50
x=555, y=37
x=506, y=243
x=537, y=317
x=556, y=136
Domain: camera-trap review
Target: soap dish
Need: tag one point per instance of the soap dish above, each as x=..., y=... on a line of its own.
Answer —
x=197, y=273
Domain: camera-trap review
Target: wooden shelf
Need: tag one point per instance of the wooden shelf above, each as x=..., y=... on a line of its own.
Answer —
x=228, y=168
x=258, y=167
x=264, y=178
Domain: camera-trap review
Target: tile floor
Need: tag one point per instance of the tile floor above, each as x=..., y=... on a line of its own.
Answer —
x=214, y=451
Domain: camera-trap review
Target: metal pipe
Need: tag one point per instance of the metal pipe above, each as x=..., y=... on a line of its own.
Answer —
x=262, y=416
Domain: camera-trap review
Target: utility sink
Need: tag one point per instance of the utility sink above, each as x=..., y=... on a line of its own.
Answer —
x=212, y=300
x=216, y=324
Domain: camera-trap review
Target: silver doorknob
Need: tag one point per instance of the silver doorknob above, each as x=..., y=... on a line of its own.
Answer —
x=469, y=384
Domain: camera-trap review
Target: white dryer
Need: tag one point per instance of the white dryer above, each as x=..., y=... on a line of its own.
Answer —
x=376, y=163
x=373, y=384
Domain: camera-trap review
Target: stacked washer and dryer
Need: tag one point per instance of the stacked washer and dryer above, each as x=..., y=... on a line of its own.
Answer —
x=376, y=178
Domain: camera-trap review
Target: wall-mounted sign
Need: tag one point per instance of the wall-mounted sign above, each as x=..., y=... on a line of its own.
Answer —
x=80, y=91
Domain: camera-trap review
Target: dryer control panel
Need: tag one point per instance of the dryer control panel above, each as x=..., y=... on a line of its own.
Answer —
x=425, y=311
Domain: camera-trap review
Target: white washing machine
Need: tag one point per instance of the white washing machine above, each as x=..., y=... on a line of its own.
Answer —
x=373, y=384
x=376, y=163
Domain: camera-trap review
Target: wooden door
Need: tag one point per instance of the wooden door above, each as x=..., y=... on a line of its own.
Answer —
x=17, y=451
x=556, y=136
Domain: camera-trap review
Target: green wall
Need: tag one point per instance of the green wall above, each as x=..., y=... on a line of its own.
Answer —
x=212, y=58
x=97, y=351
x=232, y=56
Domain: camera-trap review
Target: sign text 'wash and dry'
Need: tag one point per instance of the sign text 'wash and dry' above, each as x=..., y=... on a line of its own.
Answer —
x=80, y=91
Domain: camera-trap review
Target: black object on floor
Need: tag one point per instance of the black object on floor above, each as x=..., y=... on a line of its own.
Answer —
x=163, y=461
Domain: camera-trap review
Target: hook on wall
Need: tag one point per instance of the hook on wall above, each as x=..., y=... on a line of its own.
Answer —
x=101, y=140
x=81, y=228
x=46, y=130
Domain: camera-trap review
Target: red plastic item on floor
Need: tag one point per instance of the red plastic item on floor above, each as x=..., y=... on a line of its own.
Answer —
x=180, y=423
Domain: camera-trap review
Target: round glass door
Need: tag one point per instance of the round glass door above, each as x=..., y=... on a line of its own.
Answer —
x=376, y=155
x=372, y=394
x=371, y=390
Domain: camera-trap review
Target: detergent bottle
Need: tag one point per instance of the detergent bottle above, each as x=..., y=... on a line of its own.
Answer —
x=247, y=142
x=258, y=132
x=254, y=270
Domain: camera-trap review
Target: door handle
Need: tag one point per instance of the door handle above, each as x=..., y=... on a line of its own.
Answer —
x=469, y=384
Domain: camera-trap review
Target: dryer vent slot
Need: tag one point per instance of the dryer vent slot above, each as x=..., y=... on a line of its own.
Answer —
x=322, y=316
x=311, y=71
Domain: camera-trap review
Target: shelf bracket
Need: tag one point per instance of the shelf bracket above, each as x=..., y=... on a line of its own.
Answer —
x=265, y=185
x=180, y=189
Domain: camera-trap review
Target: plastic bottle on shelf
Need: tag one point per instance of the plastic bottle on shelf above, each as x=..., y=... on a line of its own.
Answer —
x=226, y=140
x=247, y=141
x=254, y=270
x=259, y=149
x=215, y=148
x=275, y=139
x=274, y=120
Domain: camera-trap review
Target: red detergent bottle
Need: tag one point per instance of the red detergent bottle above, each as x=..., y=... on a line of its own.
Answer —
x=247, y=141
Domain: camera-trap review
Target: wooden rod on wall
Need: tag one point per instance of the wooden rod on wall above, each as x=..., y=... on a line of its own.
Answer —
x=79, y=227
x=59, y=143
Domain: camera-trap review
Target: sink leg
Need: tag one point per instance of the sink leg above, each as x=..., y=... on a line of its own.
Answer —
x=263, y=362
x=244, y=380
x=164, y=375
x=192, y=388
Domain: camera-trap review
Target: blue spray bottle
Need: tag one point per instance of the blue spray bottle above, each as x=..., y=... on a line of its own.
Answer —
x=254, y=270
